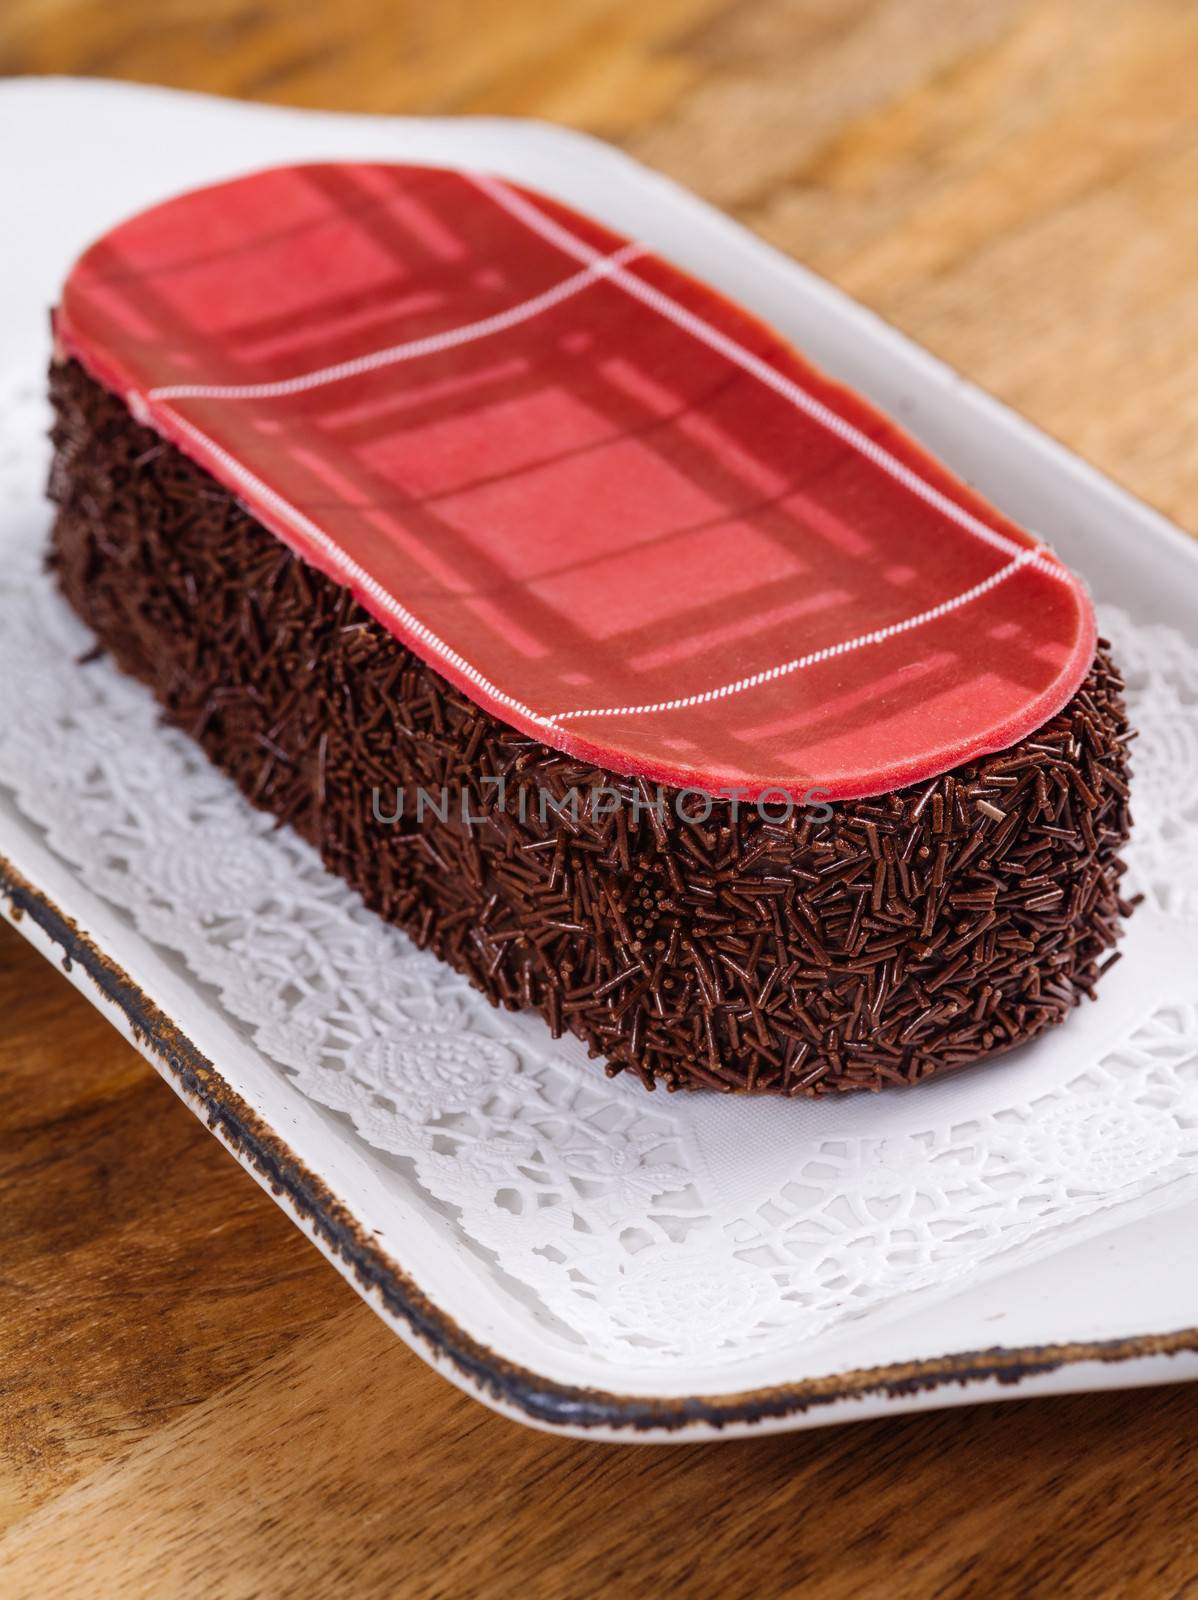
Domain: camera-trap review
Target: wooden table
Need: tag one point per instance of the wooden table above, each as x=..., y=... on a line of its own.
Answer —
x=191, y=1402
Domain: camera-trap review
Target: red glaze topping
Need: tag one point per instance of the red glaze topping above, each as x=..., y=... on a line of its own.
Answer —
x=612, y=507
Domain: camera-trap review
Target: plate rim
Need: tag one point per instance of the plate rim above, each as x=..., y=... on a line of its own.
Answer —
x=505, y=1385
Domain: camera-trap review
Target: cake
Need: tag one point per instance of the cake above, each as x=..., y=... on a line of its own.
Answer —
x=653, y=680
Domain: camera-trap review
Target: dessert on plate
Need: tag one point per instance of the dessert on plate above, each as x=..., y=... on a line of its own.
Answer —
x=654, y=680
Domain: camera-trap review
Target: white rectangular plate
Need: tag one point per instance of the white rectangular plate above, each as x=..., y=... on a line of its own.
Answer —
x=577, y=1254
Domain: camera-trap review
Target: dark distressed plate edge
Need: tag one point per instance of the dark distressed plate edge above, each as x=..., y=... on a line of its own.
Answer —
x=512, y=1388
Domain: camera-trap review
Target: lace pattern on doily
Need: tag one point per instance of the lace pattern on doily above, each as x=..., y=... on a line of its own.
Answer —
x=647, y=1228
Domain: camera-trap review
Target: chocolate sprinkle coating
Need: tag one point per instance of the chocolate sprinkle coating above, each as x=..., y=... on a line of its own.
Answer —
x=909, y=934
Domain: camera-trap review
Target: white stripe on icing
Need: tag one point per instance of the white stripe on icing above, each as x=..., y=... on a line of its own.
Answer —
x=878, y=636
x=601, y=267
x=349, y=568
x=552, y=231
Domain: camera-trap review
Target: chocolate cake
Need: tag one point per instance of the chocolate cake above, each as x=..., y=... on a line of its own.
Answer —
x=805, y=928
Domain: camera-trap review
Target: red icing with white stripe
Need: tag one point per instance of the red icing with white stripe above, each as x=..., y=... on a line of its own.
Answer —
x=609, y=505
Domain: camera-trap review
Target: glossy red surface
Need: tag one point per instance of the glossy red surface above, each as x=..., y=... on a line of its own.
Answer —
x=612, y=507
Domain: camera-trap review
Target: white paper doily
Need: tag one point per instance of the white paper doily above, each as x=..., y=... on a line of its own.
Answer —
x=648, y=1228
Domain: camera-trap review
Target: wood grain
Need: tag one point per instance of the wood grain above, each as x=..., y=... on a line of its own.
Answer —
x=191, y=1402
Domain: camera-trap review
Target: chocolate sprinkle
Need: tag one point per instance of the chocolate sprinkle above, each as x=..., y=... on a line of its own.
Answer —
x=911, y=933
